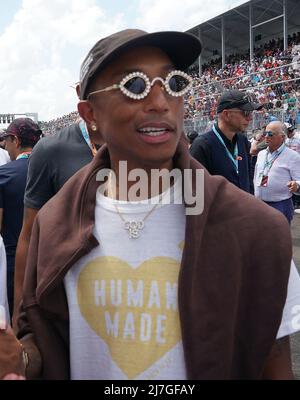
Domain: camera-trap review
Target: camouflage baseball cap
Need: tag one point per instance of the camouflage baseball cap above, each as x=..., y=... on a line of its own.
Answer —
x=25, y=129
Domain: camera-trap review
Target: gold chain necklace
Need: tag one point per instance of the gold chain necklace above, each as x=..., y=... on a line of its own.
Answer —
x=132, y=226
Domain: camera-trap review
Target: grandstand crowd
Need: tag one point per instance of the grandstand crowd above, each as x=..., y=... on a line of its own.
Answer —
x=272, y=77
x=54, y=125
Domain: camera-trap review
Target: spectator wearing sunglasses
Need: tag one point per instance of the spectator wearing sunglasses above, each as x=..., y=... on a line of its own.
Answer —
x=130, y=290
x=277, y=171
x=225, y=149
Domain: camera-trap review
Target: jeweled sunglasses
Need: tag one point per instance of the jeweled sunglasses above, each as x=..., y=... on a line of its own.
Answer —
x=137, y=85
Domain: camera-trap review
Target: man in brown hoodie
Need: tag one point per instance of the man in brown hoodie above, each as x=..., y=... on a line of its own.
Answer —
x=148, y=289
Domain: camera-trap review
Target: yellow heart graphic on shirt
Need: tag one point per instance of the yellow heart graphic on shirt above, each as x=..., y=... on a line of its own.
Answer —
x=134, y=311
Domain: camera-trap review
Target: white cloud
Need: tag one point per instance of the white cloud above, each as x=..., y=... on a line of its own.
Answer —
x=41, y=52
x=42, y=49
x=178, y=14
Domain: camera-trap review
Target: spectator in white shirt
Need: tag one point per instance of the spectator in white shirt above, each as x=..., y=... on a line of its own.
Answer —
x=4, y=157
x=277, y=171
x=292, y=141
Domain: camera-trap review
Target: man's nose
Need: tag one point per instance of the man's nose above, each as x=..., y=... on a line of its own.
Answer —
x=158, y=99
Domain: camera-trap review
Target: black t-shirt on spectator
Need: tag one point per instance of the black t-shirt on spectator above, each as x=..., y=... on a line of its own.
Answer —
x=52, y=162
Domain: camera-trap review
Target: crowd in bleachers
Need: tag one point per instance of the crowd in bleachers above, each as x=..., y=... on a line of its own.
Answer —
x=53, y=126
x=259, y=77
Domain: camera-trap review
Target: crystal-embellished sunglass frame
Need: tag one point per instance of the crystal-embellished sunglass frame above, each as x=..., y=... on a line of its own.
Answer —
x=148, y=85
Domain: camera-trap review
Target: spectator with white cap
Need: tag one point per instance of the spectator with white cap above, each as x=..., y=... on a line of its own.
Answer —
x=293, y=140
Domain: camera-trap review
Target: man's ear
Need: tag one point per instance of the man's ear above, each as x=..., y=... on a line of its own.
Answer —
x=86, y=112
x=17, y=141
x=224, y=115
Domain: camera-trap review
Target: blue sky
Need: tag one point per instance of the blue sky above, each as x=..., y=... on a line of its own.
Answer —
x=8, y=10
x=43, y=42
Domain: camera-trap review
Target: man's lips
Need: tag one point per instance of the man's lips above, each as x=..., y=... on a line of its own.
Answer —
x=152, y=126
x=155, y=133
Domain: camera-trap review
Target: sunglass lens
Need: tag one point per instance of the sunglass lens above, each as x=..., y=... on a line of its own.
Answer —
x=178, y=83
x=136, y=85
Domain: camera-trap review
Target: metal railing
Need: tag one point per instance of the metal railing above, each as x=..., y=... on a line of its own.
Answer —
x=259, y=120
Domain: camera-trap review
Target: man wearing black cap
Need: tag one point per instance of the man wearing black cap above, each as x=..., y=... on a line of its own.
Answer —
x=122, y=289
x=225, y=150
x=20, y=138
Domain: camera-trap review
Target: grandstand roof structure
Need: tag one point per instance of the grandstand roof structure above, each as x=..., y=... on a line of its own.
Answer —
x=247, y=27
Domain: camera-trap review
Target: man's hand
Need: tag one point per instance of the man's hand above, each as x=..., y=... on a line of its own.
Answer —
x=279, y=365
x=293, y=186
x=12, y=366
x=13, y=377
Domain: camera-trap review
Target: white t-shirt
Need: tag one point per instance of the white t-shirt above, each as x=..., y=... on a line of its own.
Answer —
x=122, y=297
x=4, y=157
x=291, y=313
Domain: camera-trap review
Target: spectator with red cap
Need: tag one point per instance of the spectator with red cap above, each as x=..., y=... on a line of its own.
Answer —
x=20, y=138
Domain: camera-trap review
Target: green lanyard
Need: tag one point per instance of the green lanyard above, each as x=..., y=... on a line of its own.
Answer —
x=269, y=164
x=23, y=156
x=86, y=137
x=234, y=157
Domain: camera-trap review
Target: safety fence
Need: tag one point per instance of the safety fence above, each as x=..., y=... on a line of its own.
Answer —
x=259, y=120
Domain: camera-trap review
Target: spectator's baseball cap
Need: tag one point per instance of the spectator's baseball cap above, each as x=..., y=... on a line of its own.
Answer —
x=289, y=126
x=237, y=99
x=25, y=129
x=182, y=48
